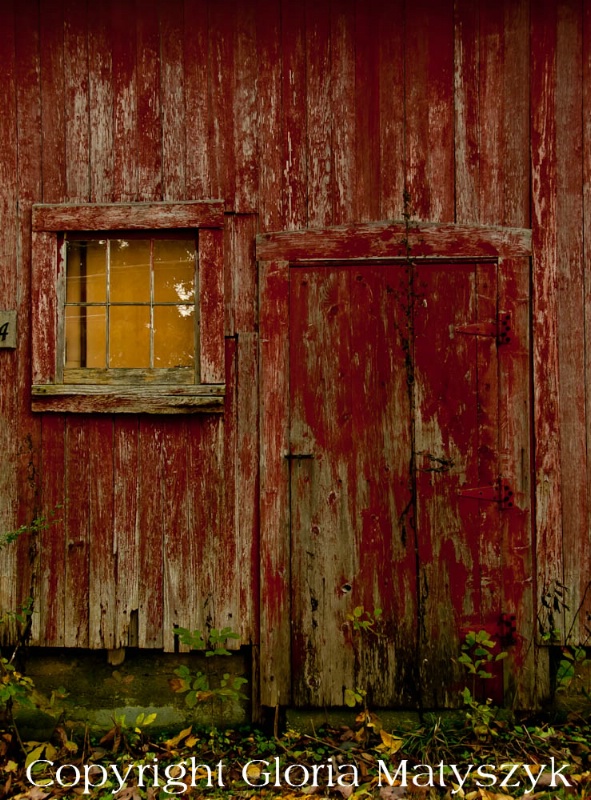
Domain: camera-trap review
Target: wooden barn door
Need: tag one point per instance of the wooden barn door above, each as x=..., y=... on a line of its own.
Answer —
x=395, y=417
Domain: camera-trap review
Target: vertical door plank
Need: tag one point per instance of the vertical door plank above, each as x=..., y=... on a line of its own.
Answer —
x=76, y=101
x=149, y=126
x=386, y=662
x=242, y=269
x=390, y=31
x=53, y=157
x=467, y=110
x=295, y=144
x=125, y=112
x=246, y=121
x=342, y=76
x=525, y=684
x=545, y=300
x=270, y=115
x=322, y=488
x=196, y=36
x=367, y=130
x=319, y=114
x=446, y=447
x=274, y=493
x=174, y=120
x=222, y=165
x=102, y=590
x=571, y=310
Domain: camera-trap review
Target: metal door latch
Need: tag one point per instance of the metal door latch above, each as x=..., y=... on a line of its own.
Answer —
x=500, y=492
x=501, y=330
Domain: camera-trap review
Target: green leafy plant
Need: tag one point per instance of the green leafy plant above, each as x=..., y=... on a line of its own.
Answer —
x=477, y=657
x=198, y=686
x=361, y=621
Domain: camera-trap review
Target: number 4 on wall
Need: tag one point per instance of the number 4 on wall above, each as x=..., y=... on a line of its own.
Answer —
x=7, y=329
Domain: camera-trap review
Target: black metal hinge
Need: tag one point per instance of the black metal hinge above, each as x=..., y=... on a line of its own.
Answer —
x=501, y=330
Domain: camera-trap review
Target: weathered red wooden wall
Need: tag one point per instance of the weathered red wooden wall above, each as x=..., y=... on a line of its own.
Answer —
x=296, y=114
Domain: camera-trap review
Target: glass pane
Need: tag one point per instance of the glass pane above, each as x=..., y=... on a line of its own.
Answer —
x=86, y=337
x=174, y=270
x=86, y=271
x=130, y=271
x=174, y=336
x=129, y=337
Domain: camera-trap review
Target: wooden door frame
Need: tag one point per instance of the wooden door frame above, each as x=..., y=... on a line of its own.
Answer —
x=368, y=244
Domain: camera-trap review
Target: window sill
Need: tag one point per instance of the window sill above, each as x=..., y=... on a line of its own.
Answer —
x=155, y=399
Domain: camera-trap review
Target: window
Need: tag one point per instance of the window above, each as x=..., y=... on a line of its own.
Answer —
x=128, y=308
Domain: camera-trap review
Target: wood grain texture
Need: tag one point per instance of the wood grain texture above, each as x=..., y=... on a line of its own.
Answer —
x=127, y=216
x=586, y=155
x=196, y=35
x=274, y=497
x=571, y=315
x=393, y=240
x=547, y=430
x=125, y=104
x=174, y=120
x=211, y=307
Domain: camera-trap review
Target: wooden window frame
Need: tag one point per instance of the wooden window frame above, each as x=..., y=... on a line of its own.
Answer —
x=205, y=221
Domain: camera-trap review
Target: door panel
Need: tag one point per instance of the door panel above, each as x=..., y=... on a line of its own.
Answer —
x=393, y=409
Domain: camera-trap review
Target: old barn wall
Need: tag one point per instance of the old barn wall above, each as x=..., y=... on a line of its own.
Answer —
x=295, y=114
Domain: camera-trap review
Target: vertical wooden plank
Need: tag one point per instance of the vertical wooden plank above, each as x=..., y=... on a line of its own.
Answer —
x=343, y=98
x=151, y=557
x=77, y=101
x=243, y=273
x=246, y=471
x=492, y=112
x=222, y=151
x=51, y=48
x=29, y=188
x=429, y=81
x=274, y=493
x=545, y=302
x=149, y=123
x=125, y=112
x=211, y=306
x=77, y=577
x=295, y=154
x=174, y=119
x=126, y=534
x=52, y=591
x=9, y=401
x=196, y=37
x=100, y=77
x=177, y=538
x=467, y=117
x=102, y=589
x=367, y=97
x=526, y=679
x=586, y=100
x=246, y=60
x=571, y=309
x=319, y=117
x=517, y=64
x=390, y=29
x=270, y=115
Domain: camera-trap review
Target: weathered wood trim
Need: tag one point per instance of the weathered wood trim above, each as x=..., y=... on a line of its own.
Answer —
x=44, y=304
x=127, y=216
x=394, y=240
x=211, y=307
x=157, y=399
x=274, y=492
